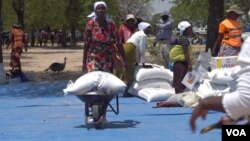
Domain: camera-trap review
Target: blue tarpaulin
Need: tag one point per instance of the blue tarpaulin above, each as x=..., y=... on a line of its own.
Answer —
x=41, y=112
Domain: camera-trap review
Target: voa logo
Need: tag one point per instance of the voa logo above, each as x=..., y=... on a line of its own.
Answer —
x=236, y=132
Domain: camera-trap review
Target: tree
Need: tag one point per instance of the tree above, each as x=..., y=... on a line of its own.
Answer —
x=1, y=27
x=2, y=72
x=140, y=8
x=194, y=11
x=18, y=6
x=72, y=12
x=215, y=16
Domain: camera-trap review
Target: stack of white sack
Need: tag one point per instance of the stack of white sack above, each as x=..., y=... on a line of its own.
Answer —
x=219, y=82
x=152, y=83
x=224, y=75
x=96, y=81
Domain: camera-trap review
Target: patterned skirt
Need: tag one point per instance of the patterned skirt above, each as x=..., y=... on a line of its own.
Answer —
x=15, y=57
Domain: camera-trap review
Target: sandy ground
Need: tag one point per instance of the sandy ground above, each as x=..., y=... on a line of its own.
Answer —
x=37, y=59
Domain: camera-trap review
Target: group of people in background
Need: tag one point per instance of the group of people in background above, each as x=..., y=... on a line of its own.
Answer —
x=102, y=40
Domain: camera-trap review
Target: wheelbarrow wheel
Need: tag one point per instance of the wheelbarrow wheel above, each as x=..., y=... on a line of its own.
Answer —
x=96, y=112
x=97, y=116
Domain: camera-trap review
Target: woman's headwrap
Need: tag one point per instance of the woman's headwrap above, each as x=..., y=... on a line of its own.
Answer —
x=182, y=26
x=95, y=5
x=143, y=25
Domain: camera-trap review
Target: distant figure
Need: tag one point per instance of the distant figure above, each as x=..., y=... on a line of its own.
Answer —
x=164, y=35
x=52, y=38
x=57, y=67
x=228, y=42
x=17, y=44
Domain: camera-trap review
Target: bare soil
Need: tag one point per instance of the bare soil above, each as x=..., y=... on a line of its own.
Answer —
x=37, y=59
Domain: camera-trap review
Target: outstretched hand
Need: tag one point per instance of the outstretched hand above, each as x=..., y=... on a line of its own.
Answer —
x=199, y=111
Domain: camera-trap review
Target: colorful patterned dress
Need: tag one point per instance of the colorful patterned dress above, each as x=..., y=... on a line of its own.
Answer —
x=101, y=42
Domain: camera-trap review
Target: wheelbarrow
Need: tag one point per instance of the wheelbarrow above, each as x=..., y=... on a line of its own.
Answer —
x=96, y=104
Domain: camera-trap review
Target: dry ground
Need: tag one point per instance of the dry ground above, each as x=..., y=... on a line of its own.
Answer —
x=37, y=59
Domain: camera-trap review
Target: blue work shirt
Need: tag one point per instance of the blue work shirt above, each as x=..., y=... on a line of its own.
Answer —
x=165, y=30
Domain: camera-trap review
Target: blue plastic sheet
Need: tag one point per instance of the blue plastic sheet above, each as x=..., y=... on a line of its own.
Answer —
x=41, y=112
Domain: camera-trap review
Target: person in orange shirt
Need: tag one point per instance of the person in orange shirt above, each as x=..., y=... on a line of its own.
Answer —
x=229, y=40
x=17, y=44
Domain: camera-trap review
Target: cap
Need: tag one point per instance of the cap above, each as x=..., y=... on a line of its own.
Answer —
x=17, y=25
x=165, y=13
x=130, y=16
x=183, y=25
x=234, y=8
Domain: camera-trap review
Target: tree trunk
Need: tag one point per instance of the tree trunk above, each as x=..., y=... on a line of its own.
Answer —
x=215, y=16
x=64, y=36
x=18, y=6
x=73, y=35
x=33, y=37
x=1, y=30
x=2, y=72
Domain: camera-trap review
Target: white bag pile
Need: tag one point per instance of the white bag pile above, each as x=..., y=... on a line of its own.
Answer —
x=96, y=81
x=152, y=84
x=219, y=82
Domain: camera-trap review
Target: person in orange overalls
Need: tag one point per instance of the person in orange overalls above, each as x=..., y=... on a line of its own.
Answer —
x=17, y=44
x=229, y=40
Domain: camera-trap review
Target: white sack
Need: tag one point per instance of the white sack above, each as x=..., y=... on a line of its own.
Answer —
x=97, y=80
x=206, y=89
x=155, y=72
x=185, y=99
x=152, y=83
x=222, y=77
x=155, y=94
x=132, y=90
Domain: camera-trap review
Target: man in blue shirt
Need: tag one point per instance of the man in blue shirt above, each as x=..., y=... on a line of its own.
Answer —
x=164, y=35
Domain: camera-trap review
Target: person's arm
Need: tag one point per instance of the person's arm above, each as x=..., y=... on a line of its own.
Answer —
x=121, y=34
x=87, y=42
x=11, y=41
x=143, y=46
x=118, y=43
x=120, y=48
x=187, y=58
x=213, y=103
x=217, y=45
x=167, y=24
x=85, y=51
x=25, y=43
x=185, y=45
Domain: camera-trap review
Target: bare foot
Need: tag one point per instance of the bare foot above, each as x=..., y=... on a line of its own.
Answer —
x=167, y=104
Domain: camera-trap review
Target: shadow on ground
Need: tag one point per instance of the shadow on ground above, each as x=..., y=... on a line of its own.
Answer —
x=114, y=125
